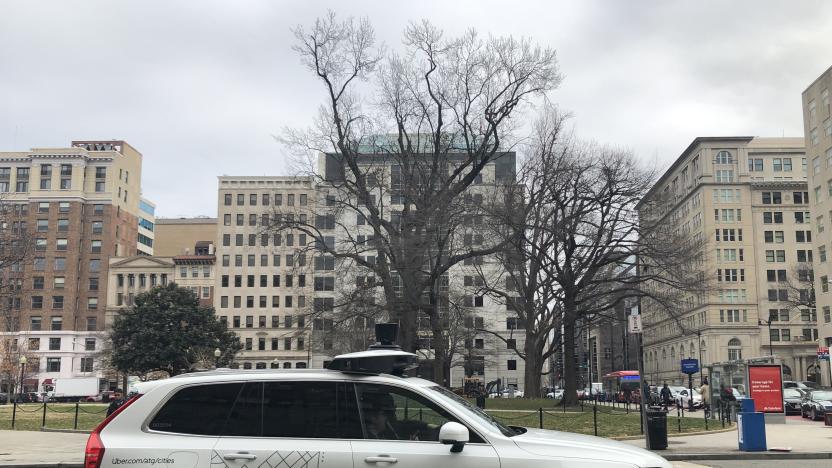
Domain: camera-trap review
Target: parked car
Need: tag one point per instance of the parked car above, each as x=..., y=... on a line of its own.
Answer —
x=28, y=397
x=506, y=393
x=802, y=385
x=557, y=394
x=4, y=398
x=354, y=413
x=791, y=400
x=682, y=398
x=674, y=392
x=816, y=403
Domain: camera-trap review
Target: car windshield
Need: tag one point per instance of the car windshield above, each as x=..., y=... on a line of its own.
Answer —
x=473, y=411
x=818, y=396
x=810, y=384
x=792, y=393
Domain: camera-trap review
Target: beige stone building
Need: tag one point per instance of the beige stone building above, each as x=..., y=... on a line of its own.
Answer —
x=747, y=199
x=265, y=285
x=817, y=122
x=178, y=236
x=131, y=276
x=80, y=205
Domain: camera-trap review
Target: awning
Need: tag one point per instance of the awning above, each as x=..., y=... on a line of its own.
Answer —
x=48, y=382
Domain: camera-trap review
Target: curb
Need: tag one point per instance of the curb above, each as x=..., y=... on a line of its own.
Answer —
x=678, y=434
x=66, y=431
x=745, y=456
x=45, y=465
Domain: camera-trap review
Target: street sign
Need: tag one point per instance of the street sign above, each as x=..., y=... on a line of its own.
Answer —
x=690, y=366
x=634, y=324
x=823, y=354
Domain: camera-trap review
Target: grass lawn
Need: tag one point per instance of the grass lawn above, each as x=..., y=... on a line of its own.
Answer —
x=514, y=412
x=58, y=416
x=518, y=403
x=610, y=423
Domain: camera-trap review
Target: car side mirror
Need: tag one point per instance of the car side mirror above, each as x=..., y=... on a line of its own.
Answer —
x=453, y=434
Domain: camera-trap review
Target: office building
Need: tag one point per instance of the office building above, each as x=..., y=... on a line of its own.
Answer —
x=264, y=284
x=817, y=122
x=746, y=200
x=179, y=236
x=80, y=206
x=147, y=220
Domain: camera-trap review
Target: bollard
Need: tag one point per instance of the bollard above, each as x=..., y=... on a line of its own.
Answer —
x=641, y=417
x=540, y=413
x=43, y=422
x=14, y=413
x=595, y=419
x=75, y=425
x=706, y=418
x=678, y=421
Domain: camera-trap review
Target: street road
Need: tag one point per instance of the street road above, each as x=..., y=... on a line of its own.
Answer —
x=764, y=463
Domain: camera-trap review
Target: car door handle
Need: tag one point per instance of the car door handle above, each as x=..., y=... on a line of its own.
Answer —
x=240, y=456
x=381, y=459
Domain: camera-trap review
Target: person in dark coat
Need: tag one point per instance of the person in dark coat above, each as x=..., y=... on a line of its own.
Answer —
x=481, y=395
x=118, y=400
x=666, y=395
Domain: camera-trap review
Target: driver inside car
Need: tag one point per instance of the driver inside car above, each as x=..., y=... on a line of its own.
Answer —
x=380, y=421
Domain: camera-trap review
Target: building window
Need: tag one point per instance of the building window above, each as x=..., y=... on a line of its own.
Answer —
x=734, y=350
x=86, y=364
x=53, y=364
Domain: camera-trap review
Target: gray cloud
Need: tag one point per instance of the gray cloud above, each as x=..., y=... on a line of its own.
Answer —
x=200, y=87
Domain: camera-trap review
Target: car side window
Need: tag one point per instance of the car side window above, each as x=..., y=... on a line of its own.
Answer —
x=199, y=409
x=392, y=413
x=245, y=418
x=305, y=410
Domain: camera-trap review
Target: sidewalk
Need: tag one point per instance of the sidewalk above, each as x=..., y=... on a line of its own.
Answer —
x=32, y=448
x=804, y=438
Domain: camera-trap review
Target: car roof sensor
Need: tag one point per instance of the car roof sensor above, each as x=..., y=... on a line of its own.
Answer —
x=384, y=357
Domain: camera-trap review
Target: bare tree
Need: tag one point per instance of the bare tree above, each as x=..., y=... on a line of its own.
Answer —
x=16, y=248
x=799, y=286
x=578, y=229
x=401, y=157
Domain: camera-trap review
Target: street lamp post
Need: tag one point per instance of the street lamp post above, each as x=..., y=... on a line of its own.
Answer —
x=217, y=354
x=770, y=347
x=22, y=361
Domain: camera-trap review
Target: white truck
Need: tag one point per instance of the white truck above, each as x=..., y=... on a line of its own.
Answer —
x=74, y=389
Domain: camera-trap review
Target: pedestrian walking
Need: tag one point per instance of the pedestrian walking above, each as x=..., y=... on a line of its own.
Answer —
x=705, y=391
x=666, y=396
x=481, y=395
x=118, y=400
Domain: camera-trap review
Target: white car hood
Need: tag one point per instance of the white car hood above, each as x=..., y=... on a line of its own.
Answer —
x=571, y=445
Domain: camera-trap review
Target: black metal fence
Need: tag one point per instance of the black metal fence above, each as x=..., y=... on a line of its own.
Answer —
x=57, y=416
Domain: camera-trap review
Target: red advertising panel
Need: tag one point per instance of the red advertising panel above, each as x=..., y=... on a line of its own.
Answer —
x=766, y=388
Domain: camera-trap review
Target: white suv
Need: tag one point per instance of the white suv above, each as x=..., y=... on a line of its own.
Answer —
x=350, y=417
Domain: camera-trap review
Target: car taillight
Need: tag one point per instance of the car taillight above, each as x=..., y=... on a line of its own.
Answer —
x=94, y=453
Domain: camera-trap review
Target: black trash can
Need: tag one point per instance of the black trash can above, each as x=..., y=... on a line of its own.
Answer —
x=656, y=428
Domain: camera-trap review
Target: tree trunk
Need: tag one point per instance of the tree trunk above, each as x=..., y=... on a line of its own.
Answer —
x=570, y=387
x=534, y=369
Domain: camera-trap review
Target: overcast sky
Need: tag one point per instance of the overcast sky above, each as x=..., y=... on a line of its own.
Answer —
x=200, y=87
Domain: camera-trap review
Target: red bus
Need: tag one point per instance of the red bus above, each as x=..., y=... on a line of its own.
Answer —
x=620, y=383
